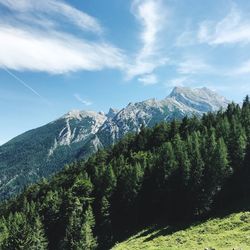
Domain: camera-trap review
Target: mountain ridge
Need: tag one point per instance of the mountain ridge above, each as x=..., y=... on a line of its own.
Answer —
x=77, y=134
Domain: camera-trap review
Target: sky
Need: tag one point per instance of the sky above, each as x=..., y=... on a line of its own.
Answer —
x=56, y=56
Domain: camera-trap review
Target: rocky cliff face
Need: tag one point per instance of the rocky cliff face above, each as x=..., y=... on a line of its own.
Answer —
x=181, y=102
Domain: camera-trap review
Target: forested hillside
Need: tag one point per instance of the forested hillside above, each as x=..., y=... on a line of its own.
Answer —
x=43, y=152
x=172, y=173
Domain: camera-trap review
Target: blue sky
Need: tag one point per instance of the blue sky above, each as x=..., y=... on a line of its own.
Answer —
x=56, y=55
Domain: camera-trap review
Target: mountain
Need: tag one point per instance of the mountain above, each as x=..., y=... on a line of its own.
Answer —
x=181, y=102
x=43, y=151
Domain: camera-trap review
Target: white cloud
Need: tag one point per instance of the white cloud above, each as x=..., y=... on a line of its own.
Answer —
x=81, y=100
x=193, y=66
x=151, y=15
x=179, y=81
x=54, y=52
x=186, y=38
x=233, y=28
x=241, y=70
x=149, y=79
x=33, y=37
x=51, y=9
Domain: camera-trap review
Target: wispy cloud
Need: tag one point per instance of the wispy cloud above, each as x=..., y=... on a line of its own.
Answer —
x=233, y=28
x=83, y=101
x=33, y=37
x=179, y=81
x=40, y=44
x=54, y=52
x=186, y=38
x=193, y=65
x=152, y=16
x=47, y=9
x=149, y=79
x=243, y=69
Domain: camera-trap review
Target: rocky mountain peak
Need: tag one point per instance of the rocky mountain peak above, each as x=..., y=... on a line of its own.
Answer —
x=203, y=99
x=112, y=113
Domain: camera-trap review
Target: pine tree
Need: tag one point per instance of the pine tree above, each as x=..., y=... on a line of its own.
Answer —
x=174, y=129
x=167, y=160
x=37, y=237
x=79, y=231
x=221, y=163
x=196, y=174
x=210, y=176
x=223, y=129
x=105, y=236
x=182, y=159
x=87, y=240
x=237, y=144
x=3, y=231
x=109, y=181
x=18, y=233
x=182, y=175
x=246, y=116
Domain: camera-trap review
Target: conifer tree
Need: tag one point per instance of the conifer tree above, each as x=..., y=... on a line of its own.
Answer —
x=37, y=238
x=105, y=236
x=167, y=160
x=182, y=159
x=237, y=144
x=18, y=233
x=196, y=174
x=109, y=181
x=3, y=231
x=246, y=116
x=87, y=239
x=221, y=164
x=210, y=174
x=182, y=175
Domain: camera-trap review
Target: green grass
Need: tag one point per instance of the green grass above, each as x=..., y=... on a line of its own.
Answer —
x=231, y=232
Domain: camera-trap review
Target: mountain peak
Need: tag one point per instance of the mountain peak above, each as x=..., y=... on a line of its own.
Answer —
x=112, y=112
x=79, y=115
x=187, y=91
x=176, y=89
x=202, y=98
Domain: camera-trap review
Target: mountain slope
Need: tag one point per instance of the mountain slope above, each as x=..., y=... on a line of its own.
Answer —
x=231, y=232
x=176, y=173
x=43, y=151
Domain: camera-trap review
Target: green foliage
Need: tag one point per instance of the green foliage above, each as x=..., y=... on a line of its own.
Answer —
x=178, y=171
x=79, y=231
x=24, y=233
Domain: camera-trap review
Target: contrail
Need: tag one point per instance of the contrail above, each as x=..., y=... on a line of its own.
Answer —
x=25, y=84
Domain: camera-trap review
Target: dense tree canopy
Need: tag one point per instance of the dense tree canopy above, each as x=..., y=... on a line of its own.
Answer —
x=181, y=170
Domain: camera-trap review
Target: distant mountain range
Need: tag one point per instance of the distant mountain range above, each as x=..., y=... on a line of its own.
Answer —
x=43, y=151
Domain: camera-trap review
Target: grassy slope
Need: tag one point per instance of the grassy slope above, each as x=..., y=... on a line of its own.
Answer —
x=231, y=232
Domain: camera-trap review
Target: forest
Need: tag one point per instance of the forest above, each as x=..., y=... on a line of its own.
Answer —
x=175, y=172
